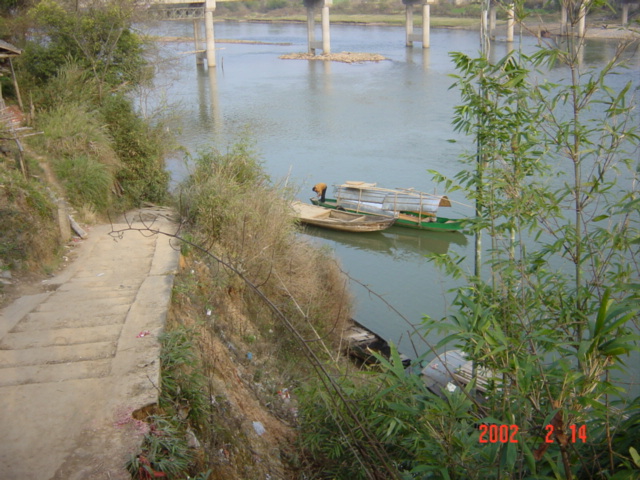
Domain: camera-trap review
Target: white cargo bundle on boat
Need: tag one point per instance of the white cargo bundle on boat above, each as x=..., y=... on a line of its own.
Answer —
x=367, y=197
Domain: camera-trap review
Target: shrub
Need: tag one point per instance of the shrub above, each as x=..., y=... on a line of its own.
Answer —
x=70, y=87
x=29, y=233
x=276, y=4
x=86, y=181
x=98, y=38
x=75, y=129
x=141, y=148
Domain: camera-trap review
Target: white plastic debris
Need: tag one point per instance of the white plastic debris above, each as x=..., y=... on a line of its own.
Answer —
x=259, y=428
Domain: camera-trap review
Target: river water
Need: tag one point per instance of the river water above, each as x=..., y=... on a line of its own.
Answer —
x=312, y=121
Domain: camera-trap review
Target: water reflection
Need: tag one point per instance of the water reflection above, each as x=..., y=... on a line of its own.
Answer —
x=397, y=242
x=320, y=76
x=209, y=105
x=416, y=55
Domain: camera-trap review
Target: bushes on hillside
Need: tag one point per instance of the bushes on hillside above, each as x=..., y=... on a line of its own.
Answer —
x=141, y=147
x=79, y=70
x=29, y=234
x=98, y=38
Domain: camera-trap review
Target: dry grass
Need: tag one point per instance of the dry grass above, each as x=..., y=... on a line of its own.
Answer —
x=260, y=299
x=251, y=361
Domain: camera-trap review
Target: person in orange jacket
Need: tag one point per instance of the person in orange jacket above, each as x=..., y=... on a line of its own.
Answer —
x=320, y=189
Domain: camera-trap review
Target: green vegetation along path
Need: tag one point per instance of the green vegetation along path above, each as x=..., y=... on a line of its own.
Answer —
x=77, y=360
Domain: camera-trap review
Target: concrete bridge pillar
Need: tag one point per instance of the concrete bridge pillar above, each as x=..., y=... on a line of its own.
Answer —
x=492, y=21
x=625, y=14
x=408, y=22
x=582, y=20
x=209, y=7
x=326, y=35
x=425, y=36
x=311, y=30
x=196, y=41
x=426, y=25
x=325, y=43
x=510, y=22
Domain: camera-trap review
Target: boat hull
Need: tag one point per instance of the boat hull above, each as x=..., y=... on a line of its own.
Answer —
x=333, y=219
x=407, y=219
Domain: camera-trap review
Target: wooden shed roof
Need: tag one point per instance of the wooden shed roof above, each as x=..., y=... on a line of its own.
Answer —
x=8, y=50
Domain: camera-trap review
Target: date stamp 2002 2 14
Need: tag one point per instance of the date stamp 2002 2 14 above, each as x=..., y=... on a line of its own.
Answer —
x=492, y=433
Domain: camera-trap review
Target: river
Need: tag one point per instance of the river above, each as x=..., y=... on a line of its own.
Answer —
x=386, y=122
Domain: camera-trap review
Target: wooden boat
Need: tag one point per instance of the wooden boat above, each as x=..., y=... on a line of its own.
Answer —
x=412, y=208
x=452, y=370
x=340, y=220
x=361, y=343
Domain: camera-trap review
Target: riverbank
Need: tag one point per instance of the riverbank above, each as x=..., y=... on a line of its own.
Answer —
x=544, y=29
x=536, y=25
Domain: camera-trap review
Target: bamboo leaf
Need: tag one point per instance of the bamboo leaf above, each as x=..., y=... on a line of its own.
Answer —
x=634, y=455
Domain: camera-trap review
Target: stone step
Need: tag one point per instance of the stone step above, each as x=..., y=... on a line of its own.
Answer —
x=82, y=288
x=56, y=354
x=73, y=319
x=59, y=372
x=60, y=336
x=72, y=306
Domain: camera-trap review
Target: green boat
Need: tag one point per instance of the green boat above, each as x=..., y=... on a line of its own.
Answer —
x=404, y=218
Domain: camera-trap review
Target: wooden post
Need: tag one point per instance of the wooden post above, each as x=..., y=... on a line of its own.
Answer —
x=15, y=85
x=210, y=6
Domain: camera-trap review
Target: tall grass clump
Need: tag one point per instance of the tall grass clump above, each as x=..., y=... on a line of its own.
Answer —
x=87, y=181
x=242, y=217
x=267, y=308
x=80, y=149
x=105, y=154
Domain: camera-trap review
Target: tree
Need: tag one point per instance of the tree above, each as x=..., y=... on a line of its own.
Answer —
x=552, y=310
x=98, y=38
x=552, y=315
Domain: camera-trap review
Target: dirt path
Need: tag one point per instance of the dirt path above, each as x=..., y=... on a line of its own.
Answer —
x=79, y=357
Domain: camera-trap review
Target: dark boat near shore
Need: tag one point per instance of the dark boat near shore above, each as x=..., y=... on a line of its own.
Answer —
x=361, y=343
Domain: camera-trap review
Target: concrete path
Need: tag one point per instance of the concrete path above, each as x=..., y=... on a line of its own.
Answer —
x=78, y=359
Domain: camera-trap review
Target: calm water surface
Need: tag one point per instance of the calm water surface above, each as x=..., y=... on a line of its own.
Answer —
x=386, y=122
